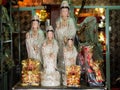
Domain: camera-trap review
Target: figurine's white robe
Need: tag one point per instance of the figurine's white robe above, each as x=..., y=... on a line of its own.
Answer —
x=70, y=59
x=70, y=56
x=50, y=77
x=31, y=42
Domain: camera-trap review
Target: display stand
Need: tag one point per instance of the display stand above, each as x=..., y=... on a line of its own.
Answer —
x=82, y=87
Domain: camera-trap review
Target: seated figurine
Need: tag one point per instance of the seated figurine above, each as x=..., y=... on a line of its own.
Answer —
x=50, y=77
x=34, y=39
x=70, y=54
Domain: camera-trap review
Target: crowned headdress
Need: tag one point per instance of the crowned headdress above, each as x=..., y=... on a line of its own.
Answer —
x=64, y=4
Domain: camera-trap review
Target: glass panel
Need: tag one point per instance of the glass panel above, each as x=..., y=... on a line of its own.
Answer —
x=25, y=22
x=115, y=47
x=15, y=35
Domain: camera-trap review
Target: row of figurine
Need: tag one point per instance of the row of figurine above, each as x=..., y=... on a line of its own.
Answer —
x=72, y=75
x=57, y=53
x=31, y=74
x=50, y=75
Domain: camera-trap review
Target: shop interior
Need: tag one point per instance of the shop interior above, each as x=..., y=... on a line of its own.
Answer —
x=15, y=22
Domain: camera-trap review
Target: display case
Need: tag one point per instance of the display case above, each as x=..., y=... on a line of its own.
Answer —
x=103, y=30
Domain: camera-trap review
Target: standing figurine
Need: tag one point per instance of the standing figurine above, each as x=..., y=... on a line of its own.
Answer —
x=65, y=27
x=34, y=39
x=50, y=77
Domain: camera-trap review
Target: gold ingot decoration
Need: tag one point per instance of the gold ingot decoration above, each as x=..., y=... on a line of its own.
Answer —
x=30, y=72
x=73, y=75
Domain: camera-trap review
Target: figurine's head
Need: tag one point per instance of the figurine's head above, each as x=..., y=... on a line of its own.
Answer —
x=70, y=42
x=64, y=4
x=64, y=9
x=50, y=32
x=35, y=22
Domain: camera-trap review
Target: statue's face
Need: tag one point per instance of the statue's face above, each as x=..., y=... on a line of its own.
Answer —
x=64, y=12
x=35, y=25
x=50, y=35
x=70, y=43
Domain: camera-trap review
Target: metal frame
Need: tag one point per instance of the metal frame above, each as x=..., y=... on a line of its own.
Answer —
x=31, y=9
x=1, y=44
x=107, y=50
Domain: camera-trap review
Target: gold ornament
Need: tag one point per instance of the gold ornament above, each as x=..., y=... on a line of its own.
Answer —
x=30, y=72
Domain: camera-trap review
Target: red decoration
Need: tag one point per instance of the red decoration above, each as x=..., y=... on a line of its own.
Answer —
x=89, y=70
x=3, y=2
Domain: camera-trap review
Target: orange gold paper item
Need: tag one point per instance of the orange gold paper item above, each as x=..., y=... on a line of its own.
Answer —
x=73, y=76
x=30, y=72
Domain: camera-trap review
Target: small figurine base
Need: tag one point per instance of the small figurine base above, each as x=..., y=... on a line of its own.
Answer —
x=50, y=79
x=50, y=83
